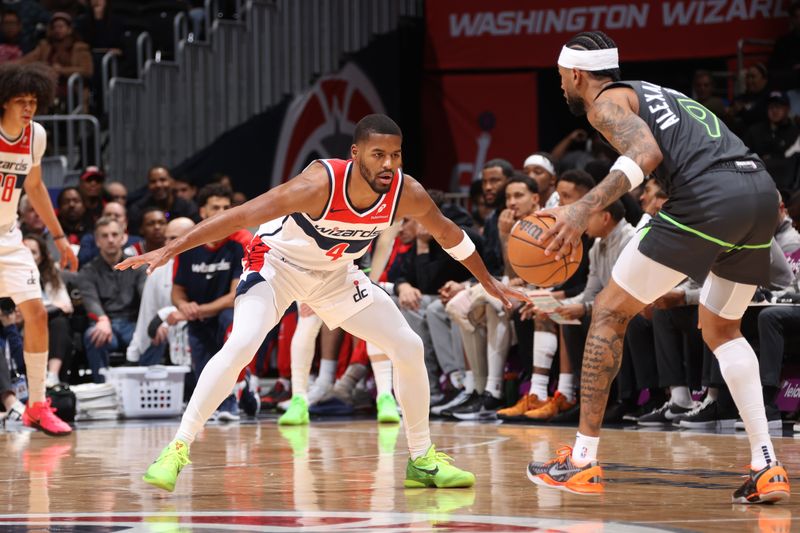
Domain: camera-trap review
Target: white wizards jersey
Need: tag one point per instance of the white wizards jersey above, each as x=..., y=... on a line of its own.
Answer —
x=339, y=236
x=17, y=157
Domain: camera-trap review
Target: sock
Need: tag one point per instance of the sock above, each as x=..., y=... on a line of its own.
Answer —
x=566, y=386
x=681, y=396
x=712, y=394
x=457, y=379
x=36, y=371
x=327, y=371
x=494, y=386
x=539, y=386
x=344, y=385
x=545, y=345
x=585, y=450
x=739, y=367
x=383, y=376
x=469, y=382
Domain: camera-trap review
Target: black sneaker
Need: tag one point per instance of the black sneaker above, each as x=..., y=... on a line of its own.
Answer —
x=570, y=416
x=774, y=418
x=473, y=398
x=645, y=409
x=562, y=473
x=460, y=398
x=250, y=401
x=707, y=415
x=615, y=413
x=276, y=395
x=486, y=406
x=663, y=416
x=768, y=485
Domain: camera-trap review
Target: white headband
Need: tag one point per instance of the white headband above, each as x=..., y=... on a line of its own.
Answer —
x=591, y=60
x=540, y=161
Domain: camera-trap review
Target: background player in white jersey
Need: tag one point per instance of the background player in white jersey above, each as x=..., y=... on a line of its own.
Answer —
x=313, y=227
x=23, y=89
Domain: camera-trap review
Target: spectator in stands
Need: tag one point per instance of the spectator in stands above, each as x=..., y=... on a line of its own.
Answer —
x=160, y=194
x=116, y=192
x=72, y=214
x=91, y=187
x=101, y=28
x=205, y=286
x=58, y=305
x=115, y=211
x=238, y=198
x=31, y=223
x=9, y=337
x=111, y=298
x=540, y=167
x=10, y=36
x=478, y=208
x=571, y=151
x=771, y=137
x=494, y=176
x=785, y=59
x=159, y=321
x=73, y=8
x=154, y=225
x=703, y=89
x=787, y=237
x=31, y=14
x=750, y=107
x=64, y=52
x=222, y=179
x=182, y=187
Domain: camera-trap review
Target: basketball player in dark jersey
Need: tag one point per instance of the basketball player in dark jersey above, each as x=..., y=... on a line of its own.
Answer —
x=716, y=227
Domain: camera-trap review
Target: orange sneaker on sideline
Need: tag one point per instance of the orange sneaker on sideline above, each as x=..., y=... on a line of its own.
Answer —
x=41, y=416
x=550, y=408
x=526, y=403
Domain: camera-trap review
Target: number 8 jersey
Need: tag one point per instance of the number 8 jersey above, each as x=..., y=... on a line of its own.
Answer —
x=17, y=157
x=339, y=236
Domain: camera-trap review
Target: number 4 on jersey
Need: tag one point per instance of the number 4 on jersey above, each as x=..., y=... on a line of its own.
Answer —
x=337, y=251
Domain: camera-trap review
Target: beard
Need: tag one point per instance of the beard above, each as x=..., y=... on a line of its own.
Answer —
x=576, y=105
x=372, y=179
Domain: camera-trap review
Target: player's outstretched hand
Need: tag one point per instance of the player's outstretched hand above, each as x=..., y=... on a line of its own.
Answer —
x=564, y=234
x=155, y=259
x=503, y=292
x=68, y=260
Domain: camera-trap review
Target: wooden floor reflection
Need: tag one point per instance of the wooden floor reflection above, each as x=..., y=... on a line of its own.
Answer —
x=347, y=476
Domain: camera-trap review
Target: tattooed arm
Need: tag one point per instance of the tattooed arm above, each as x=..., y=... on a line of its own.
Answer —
x=613, y=115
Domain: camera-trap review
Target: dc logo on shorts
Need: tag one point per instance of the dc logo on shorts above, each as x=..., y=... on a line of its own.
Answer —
x=360, y=294
x=32, y=280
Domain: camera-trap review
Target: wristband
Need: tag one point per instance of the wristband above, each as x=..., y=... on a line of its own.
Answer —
x=632, y=171
x=463, y=249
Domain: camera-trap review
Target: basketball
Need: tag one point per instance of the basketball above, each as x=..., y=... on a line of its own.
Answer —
x=526, y=254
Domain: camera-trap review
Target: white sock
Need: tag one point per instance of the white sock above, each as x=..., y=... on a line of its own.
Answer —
x=469, y=382
x=457, y=379
x=303, y=346
x=566, y=386
x=36, y=372
x=739, y=367
x=681, y=396
x=585, y=450
x=545, y=345
x=494, y=386
x=383, y=376
x=539, y=386
x=712, y=394
x=327, y=371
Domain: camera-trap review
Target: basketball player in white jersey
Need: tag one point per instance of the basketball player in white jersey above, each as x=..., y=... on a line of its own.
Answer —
x=313, y=227
x=23, y=88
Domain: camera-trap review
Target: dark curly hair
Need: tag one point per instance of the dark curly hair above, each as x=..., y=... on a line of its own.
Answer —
x=33, y=78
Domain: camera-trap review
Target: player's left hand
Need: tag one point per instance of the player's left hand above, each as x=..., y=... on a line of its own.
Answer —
x=503, y=292
x=571, y=311
x=564, y=235
x=68, y=259
x=155, y=259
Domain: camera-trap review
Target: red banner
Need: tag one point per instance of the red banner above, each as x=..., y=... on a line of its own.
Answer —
x=470, y=119
x=523, y=34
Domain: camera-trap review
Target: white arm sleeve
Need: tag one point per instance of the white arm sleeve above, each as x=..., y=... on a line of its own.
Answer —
x=39, y=143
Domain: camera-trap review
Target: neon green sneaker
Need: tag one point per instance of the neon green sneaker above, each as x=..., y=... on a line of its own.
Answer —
x=387, y=408
x=296, y=414
x=297, y=437
x=434, y=470
x=164, y=471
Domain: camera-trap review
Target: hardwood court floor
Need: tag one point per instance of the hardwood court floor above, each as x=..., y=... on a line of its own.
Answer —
x=348, y=475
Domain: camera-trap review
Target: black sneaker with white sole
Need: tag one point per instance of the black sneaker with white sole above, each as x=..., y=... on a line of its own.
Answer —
x=663, y=416
x=485, y=407
x=708, y=415
x=451, y=403
x=472, y=398
x=645, y=409
x=774, y=418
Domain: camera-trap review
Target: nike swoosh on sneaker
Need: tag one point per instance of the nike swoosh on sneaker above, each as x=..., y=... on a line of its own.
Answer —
x=555, y=471
x=429, y=472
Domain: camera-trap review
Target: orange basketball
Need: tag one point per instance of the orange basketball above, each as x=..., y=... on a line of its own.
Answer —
x=526, y=254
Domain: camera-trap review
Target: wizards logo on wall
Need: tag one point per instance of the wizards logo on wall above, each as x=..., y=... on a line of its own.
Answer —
x=320, y=122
